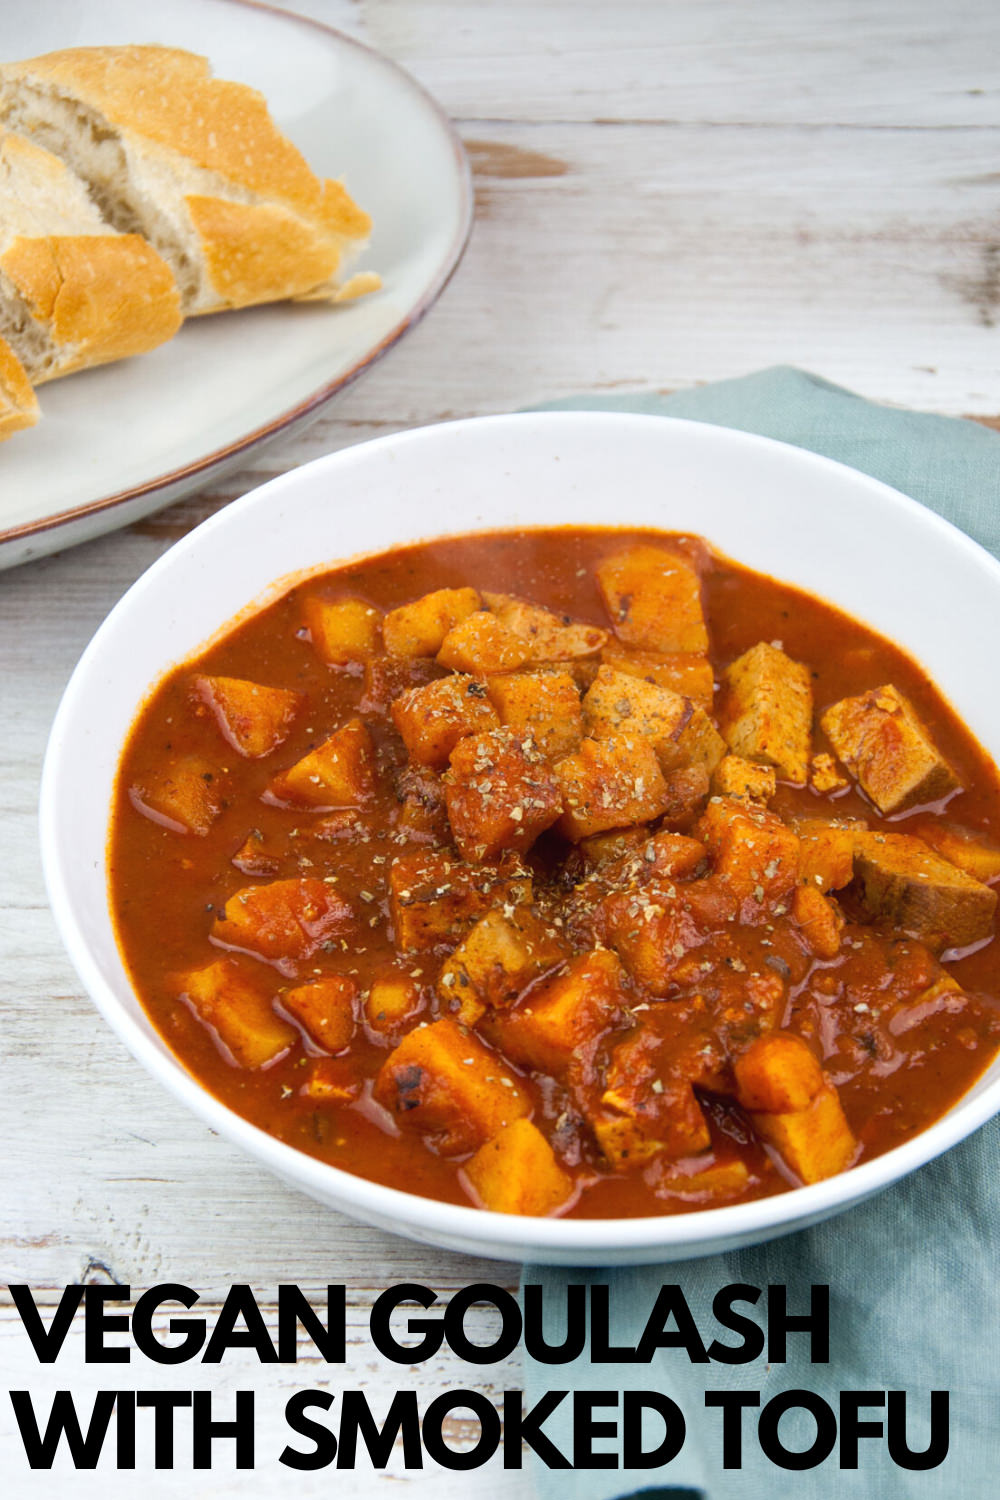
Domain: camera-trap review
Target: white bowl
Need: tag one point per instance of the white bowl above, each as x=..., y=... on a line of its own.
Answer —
x=803, y=519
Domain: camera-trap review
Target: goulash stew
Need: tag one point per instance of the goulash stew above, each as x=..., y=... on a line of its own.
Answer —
x=568, y=871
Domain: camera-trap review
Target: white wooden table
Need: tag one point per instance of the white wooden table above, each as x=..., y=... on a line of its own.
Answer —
x=668, y=193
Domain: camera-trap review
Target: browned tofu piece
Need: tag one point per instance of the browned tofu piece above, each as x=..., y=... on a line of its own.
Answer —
x=681, y=733
x=496, y=960
x=904, y=883
x=242, y=1017
x=254, y=719
x=445, y=1083
x=826, y=850
x=636, y=1123
x=393, y=1004
x=432, y=719
x=744, y=780
x=756, y=853
x=821, y=921
x=653, y=597
x=186, y=796
x=766, y=710
x=343, y=630
x=806, y=1125
x=338, y=773
x=543, y=706
x=972, y=852
x=548, y=636
x=682, y=672
x=434, y=897
x=419, y=629
x=286, y=919
x=500, y=793
x=824, y=776
x=325, y=1010
x=561, y=1021
x=517, y=1173
x=883, y=744
x=481, y=645
x=610, y=783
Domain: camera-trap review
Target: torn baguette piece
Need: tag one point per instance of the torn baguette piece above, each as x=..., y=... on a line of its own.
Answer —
x=18, y=402
x=73, y=292
x=197, y=166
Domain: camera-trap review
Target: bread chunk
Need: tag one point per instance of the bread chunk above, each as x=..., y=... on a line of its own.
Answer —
x=18, y=402
x=517, y=1172
x=883, y=743
x=653, y=597
x=900, y=880
x=681, y=733
x=766, y=711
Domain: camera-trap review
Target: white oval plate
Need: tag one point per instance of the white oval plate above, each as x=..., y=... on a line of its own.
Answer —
x=801, y=518
x=116, y=443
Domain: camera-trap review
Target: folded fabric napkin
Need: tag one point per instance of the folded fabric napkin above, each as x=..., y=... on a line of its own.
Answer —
x=913, y=1273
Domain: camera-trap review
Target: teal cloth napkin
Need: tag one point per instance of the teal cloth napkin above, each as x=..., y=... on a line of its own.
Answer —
x=913, y=1273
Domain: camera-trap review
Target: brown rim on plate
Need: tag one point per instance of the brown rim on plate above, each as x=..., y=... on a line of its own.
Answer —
x=222, y=456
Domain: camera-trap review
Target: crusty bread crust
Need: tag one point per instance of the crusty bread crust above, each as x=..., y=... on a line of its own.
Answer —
x=255, y=251
x=18, y=403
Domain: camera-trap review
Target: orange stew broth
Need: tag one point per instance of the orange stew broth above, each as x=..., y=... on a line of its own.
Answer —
x=166, y=886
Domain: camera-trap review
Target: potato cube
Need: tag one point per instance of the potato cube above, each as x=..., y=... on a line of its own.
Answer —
x=680, y=733
x=496, y=960
x=971, y=852
x=500, y=793
x=754, y=851
x=824, y=776
x=482, y=645
x=549, y=637
x=826, y=851
x=342, y=630
x=558, y=1026
x=325, y=1010
x=393, y=1004
x=253, y=856
x=723, y=1182
x=286, y=919
x=610, y=783
x=445, y=1083
x=517, y=1173
x=432, y=719
x=433, y=897
x=686, y=673
x=766, y=710
x=243, y=1019
x=419, y=629
x=332, y=1080
x=542, y=706
x=253, y=719
x=821, y=922
x=803, y=1119
x=883, y=743
x=901, y=881
x=653, y=597
x=634, y=1125
x=687, y=792
x=778, y=1074
x=743, y=780
x=338, y=773
x=186, y=796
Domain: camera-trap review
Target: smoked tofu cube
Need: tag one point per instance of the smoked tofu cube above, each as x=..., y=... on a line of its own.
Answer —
x=343, y=630
x=500, y=794
x=325, y=1010
x=826, y=851
x=610, y=783
x=517, y=1173
x=419, y=629
x=243, y=1019
x=549, y=637
x=766, y=711
x=636, y=1124
x=496, y=960
x=286, y=919
x=556, y=1029
x=883, y=744
x=821, y=922
x=793, y=1108
x=753, y=850
x=433, y=897
x=338, y=773
x=432, y=719
x=542, y=706
x=253, y=719
x=743, y=780
x=446, y=1084
x=653, y=597
x=481, y=645
x=901, y=881
x=393, y=1004
x=186, y=796
x=686, y=673
x=971, y=852
x=681, y=733
x=824, y=776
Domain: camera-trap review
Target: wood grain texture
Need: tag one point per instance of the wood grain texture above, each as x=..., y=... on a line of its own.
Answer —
x=667, y=194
